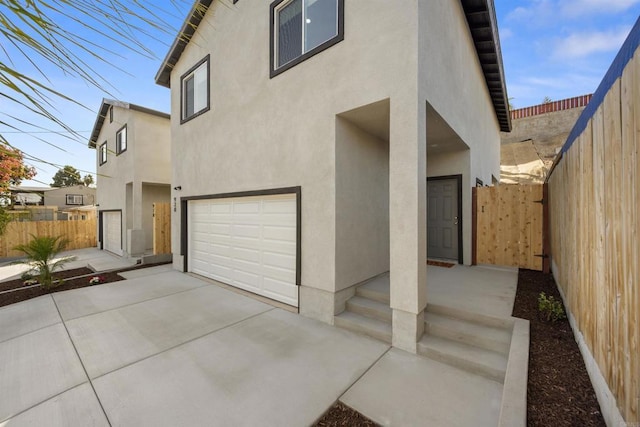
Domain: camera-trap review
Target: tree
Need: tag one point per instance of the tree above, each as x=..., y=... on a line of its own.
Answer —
x=87, y=180
x=67, y=177
x=12, y=172
x=12, y=168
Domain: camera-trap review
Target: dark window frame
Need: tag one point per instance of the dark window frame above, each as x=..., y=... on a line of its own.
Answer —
x=273, y=71
x=74, y=195
x=189, y=72
x=119, y=149
x=102, y=151
x=111, y=114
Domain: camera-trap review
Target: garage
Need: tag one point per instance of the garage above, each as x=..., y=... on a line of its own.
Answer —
x=112, y=232
x=249, y=242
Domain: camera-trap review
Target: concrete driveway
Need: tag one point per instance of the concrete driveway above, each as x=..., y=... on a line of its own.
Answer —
x=170, y=349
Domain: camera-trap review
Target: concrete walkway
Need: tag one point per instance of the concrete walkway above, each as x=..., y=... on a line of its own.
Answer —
x=93, y=258
x=170, y=349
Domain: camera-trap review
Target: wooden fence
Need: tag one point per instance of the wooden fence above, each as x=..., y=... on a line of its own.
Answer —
x=508, y=225
x=161, y=228
x=594, y=226
x=81, y=234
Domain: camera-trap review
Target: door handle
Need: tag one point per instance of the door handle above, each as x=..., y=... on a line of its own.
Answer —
x=455, y=220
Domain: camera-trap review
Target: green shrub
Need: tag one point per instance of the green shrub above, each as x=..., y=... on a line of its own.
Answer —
x=41, y=254
x=550, y=308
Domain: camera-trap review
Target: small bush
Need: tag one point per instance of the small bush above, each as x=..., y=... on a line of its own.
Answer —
x=550, y=308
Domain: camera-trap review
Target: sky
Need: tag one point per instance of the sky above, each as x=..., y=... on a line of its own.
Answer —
x=550, y=48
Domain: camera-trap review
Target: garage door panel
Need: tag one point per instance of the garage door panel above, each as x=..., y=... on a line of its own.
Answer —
x=247, y=242
x=246, y=230
x=249, y=255
x=271, y=232
x=112, y=232
x=278, y=260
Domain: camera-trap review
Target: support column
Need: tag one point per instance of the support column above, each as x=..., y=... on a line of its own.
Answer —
x=135, y=236
x=407, y=221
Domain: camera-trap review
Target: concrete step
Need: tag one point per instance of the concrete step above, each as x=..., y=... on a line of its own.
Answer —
x=369, y=308
x=475, y=360
x=377, y=290
x=498, y=322
x=492, y=338
x=364, y=325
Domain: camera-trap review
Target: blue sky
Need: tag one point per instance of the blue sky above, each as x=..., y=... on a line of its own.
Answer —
x=551, y=48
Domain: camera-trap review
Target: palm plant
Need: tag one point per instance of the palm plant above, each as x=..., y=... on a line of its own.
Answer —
x=41, y=254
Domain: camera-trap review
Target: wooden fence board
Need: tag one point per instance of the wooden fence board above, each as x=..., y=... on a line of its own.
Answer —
x=161, y=228
x=509, y=224
x=81, y=234
x=595, y=237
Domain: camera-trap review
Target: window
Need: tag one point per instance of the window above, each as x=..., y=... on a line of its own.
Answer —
x=303, y=28
x=74, y=199
x=111, y=114
x=103, y=153
x=121, y=140
x=195, y=91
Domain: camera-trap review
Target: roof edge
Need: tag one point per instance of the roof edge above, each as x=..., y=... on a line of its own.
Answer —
x=189, y=27
x=102, y=114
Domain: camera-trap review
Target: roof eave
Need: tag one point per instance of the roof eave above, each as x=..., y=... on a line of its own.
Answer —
x=189, y=27
x=481, y=16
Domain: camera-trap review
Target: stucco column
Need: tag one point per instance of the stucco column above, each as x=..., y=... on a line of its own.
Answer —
x=407, y=221
x=135, y=236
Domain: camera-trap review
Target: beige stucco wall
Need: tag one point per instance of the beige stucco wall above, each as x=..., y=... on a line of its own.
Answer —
x=263, y=133
x=451, y=74
x=288, y=122
x=362, y=205
x=147, y=159
x=58, y=196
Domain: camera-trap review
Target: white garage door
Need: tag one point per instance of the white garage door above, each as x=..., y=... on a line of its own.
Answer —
x=247, y=242
x=112, y=232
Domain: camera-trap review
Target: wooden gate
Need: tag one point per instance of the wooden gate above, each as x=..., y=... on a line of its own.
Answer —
x=509, y=224
x=161, y=228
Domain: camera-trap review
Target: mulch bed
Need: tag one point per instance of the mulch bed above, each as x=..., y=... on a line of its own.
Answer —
x=342, y=415
x=68, y=284
x=559, y=391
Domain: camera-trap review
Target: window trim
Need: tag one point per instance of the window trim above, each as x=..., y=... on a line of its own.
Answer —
x=74, y=195
x=273, y=71
x=189, y=72
x=100, y=161
x=126, y=143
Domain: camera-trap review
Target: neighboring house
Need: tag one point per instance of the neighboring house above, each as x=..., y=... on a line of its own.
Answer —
x=66, y=198
x=133, y=172
x=539, y=131
x=22, y=196
x=307, y=133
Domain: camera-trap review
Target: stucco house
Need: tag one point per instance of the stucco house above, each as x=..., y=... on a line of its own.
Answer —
x=133, y=172
x=70, y=197
x=323, y=143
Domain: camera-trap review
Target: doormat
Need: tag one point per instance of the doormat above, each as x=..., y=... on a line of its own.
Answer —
x=440, y=263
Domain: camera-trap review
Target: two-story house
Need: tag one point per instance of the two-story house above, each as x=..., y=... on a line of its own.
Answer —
x=308, y=133
x=133, y=172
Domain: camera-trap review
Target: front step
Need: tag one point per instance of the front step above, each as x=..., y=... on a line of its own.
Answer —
x=486, y=363
x=358, y=323
x=369, y=308
x=492, y=338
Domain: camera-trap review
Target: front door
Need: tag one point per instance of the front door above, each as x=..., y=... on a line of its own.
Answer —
x=443, y=221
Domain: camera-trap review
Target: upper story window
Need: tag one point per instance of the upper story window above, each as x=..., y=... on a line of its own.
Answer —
x=303, y=28
x=111, y=114
x=121, y=140
x=103, y=153
x=74, y=199
x=194, y=87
